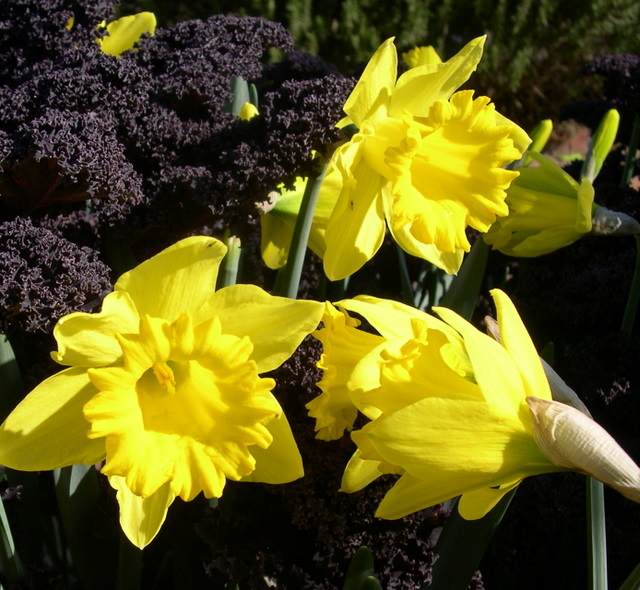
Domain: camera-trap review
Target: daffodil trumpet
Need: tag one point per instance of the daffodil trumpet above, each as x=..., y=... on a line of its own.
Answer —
x=452, y=411
x=163, y=388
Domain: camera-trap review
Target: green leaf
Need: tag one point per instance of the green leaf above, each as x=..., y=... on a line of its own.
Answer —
x=462, y=544
x=89, y=532
x=633, y=580
x=360, y=573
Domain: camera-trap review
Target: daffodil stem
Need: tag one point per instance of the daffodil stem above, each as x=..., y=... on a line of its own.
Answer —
x=129, y=566
x=288, y=279
x=463, y=291
x=231, y=262
x=462, y=544
x=9, y=561
x=630, y=161
x=631, y=308
x=596, y=535
x=405, y=279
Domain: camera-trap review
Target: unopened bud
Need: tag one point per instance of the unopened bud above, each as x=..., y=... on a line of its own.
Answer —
x=571, y=439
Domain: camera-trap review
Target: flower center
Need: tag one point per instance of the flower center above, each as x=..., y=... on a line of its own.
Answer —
x=185, y=405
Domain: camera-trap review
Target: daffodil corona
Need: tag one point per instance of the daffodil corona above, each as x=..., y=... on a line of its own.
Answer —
x=428, y=161
x=454, y=412
x=164, y=385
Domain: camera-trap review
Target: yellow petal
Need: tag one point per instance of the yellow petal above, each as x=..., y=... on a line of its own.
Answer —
x=444, y=441
x=281, y=461
x=88, y=339
x=276, y=232
x=476, y=504
x=418, y=88
x=374, y=86
x=355, y=230
x=124, y=33
x=275, y=325
x=141, y=518
x=410, y=494
x=48, y=429
x=493, y=368
x=359, y=473
x=517, y=342
x=178, y=280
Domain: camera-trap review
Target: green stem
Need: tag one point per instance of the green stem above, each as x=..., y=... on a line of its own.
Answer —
x=288, y=279
x=464, y=289
x=596, y=535
x=631, y=308
x=630, y=161
x=9, y=559
x=231, y=262
x=129, y=565
x=462, y=544
x=405, y=279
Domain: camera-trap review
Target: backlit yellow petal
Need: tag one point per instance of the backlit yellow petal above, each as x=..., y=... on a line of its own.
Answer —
x=359, y=473
x=88, y=339
x=275, y=325
x=141, y=518
x=355, y=230
x=517, y=343
x=420, y=87
x=374, y=87
x=493, y=368
x=47, y=429
x=477, y=503
x=124, y=33
x=280, y=462
x=180, y=279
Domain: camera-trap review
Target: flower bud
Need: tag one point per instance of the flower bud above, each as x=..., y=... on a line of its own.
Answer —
x=572, y=440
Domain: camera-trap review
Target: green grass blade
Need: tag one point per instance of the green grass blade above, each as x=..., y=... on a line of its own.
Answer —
x=596, y=535
x=10, y=563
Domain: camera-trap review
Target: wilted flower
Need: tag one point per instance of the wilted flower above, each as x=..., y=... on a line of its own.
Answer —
x=454, y=412
x=165, y=384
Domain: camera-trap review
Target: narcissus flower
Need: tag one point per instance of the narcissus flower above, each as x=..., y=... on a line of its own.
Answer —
x=165, y=384
x=426, y=160
x=421, y=56
x=547, y=210
x=455, y=412
x=125, y=32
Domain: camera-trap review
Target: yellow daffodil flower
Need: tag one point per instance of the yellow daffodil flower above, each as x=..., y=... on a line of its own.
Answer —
x=248, y=111
x=426, y=160
x=125, y=32
x=454, y=412
x=421, y=56
x=278, y=223
x=165, y=384
x=547, y=210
